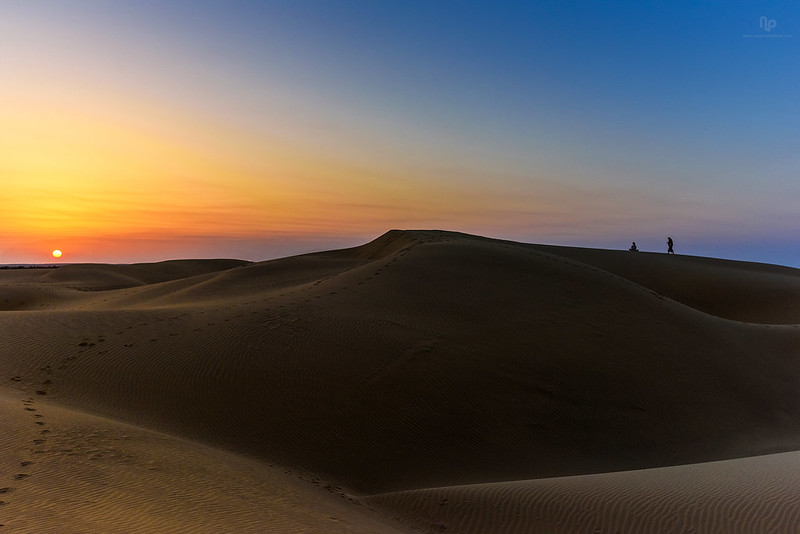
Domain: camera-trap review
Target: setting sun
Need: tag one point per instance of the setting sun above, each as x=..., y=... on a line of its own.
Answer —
x=56, y=253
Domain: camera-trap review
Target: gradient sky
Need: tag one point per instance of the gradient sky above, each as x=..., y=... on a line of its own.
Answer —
x=155, y=129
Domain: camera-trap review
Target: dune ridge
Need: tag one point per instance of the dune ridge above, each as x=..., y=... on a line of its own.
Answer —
x=744, y=496
x=423, y=359
x=737, y=290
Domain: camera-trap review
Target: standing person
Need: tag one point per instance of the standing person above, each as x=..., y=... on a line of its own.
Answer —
x=669, y=246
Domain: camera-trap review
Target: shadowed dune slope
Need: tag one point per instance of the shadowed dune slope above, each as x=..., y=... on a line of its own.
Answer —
x=738, y=290
x=423, y=359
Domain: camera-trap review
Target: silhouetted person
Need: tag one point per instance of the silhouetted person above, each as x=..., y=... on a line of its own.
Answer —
x=633, y=247
x=669, y=246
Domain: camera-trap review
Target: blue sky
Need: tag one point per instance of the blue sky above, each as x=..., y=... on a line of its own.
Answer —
x=581, y=123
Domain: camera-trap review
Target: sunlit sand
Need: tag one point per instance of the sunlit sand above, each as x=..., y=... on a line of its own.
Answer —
x=426, y=381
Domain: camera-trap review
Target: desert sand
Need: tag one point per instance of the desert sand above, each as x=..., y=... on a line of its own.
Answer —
x=427, y=381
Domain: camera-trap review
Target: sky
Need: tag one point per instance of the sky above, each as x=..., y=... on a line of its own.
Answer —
x=149, y=130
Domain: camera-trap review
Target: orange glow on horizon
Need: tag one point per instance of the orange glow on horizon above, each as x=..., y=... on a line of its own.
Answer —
x=137, y=182
x=94, y=182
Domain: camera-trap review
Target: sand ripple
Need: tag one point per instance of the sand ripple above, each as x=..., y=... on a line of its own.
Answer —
x=746, y=496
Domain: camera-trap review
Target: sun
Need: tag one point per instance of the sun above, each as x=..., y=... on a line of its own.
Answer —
x=56, y=253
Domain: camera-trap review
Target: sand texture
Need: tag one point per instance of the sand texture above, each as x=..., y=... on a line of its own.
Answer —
x=427, y=381
x=758, y=494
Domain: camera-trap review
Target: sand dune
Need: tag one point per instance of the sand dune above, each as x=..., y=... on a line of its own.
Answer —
x=759, y=494
x=423, y=359
x=66, y=471
x=738, y=290
x=103, y=277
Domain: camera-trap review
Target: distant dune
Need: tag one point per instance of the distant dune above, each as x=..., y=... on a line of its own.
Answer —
x=425, y=381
